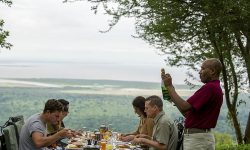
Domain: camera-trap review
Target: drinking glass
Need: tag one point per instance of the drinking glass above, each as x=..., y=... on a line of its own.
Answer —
x=103, y=145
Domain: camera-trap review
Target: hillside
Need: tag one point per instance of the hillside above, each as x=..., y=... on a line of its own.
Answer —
x=93, y=102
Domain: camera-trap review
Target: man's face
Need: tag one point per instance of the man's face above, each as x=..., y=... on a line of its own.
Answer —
x=55, y=117
x=205, y=72
x=149, y=110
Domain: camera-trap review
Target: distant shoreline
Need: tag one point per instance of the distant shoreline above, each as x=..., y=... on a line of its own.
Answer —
x=90, y=88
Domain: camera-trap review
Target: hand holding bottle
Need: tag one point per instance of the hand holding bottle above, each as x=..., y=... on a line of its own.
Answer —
x=166, y=78
x=165, y=93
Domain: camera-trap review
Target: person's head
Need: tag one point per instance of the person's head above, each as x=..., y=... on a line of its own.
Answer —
x=65, y=107
x=210, y=70
x=153, y=106
x=53, y=111
x=139, y=106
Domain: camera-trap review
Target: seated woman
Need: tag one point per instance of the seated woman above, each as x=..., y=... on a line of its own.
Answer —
x=146, y=124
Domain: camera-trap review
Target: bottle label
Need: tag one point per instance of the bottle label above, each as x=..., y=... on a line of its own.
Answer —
x=165, y=94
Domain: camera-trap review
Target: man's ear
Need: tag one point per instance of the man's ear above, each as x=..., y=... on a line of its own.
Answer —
x=213, y=71
x=155, y=107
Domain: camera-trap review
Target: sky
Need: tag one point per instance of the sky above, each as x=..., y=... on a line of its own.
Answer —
x=62, y=40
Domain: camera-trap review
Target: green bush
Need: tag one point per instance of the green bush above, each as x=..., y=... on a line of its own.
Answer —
x=233, y=147
x=223, y=139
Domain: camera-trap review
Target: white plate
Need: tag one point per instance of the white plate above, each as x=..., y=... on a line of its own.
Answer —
x=121, y=143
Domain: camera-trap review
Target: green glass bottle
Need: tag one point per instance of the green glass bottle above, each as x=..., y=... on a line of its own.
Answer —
x=165, y=93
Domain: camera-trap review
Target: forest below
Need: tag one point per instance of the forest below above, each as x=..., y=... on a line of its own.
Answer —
x=96, y=102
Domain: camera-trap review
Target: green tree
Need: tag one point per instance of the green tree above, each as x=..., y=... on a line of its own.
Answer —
x=189, y=31
x=4, y=34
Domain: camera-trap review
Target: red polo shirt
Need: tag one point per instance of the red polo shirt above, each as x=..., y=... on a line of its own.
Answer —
x=206, y=104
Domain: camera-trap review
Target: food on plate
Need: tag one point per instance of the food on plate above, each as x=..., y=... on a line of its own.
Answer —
x=72, y=146
x=78, y=144
x=73, y=140
x=76, y=140
x=123, y=146
x=75, y=145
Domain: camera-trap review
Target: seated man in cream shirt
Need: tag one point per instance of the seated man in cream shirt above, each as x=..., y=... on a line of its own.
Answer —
x=165, y=133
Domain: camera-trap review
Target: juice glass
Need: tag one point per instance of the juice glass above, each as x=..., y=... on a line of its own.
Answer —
x=103, y=145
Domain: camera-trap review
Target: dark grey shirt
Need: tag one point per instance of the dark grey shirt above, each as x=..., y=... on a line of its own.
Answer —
x=165, y=131
x=33, y=124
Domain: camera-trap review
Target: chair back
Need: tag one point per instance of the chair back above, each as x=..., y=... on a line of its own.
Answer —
x=10, y=138
x=11, y=132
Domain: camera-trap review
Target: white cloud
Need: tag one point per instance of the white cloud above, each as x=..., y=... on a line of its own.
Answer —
x=50, y=30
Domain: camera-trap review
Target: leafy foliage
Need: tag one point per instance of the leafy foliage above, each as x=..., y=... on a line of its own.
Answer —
x=4, y=34
x=8, y=2
x=232, y=147
x=223, y=139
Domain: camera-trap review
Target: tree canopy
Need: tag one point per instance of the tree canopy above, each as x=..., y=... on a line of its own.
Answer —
x=3, y=33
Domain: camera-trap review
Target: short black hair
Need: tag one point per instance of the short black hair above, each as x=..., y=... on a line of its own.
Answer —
x=53, y=105
x=65, y=104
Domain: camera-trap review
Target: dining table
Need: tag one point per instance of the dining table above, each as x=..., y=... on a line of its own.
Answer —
x=92, y=141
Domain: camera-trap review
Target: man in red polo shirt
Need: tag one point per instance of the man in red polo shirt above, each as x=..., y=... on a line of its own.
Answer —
x=202, y=109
